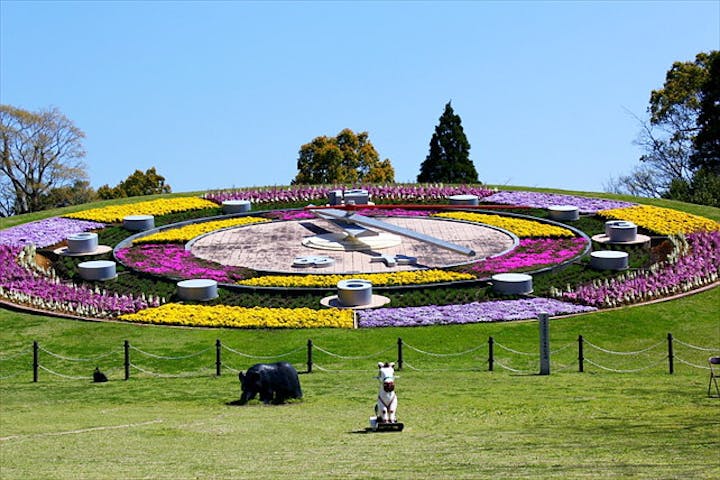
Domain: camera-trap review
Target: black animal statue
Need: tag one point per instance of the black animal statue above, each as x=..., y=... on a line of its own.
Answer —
x=98, y=376
x=273, y=382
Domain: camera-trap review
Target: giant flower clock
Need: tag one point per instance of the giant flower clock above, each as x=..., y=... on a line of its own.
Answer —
x=432, y=260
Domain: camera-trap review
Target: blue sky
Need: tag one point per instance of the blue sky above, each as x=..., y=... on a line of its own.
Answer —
x=223, y=94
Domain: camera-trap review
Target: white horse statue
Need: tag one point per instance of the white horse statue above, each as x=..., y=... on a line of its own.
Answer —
x=386, y=407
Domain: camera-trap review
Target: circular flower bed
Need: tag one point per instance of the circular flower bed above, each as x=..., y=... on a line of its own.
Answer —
x=685, y=256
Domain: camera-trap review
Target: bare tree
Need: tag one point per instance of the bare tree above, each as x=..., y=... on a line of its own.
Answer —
x=667, y=148
x=7, y=197
x=40, y=151
x=667, y=137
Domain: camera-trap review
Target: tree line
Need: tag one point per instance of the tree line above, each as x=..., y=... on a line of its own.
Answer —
x=42, y=152
x=351, y=158
x=42, y=165
x=680, y=138
x=42, y=162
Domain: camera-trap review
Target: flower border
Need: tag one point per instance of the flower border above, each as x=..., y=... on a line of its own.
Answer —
x=698, y=262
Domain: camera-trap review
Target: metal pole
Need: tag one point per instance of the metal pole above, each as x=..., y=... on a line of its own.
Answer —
x=581, y=355
x=126, y=347
x=671, y=357
x=491, y=353
x=218, y=357
x=36, y=363
x=309, y=356
x=400, y=353
x=543, y=320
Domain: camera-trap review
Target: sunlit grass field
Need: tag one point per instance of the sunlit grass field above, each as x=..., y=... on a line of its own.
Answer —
x=633, y=420
x=462, y=421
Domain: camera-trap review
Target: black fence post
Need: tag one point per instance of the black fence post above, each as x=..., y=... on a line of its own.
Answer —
x=218, y=357
x=36, y=363
x=671, y=357
x=126, y=348
x=309, y=356
x=581, y=355
x=400, y=353
x=491, y=353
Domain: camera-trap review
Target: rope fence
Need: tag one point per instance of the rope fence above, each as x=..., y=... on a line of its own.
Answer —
x=213, y=360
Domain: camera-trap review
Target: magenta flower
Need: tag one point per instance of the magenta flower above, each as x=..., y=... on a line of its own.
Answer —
x=172, y=260
x=532, y=254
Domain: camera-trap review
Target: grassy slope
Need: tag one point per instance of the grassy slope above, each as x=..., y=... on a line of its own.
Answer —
x=460, y=424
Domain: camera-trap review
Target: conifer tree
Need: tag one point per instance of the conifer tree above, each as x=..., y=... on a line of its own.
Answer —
x=449, y=158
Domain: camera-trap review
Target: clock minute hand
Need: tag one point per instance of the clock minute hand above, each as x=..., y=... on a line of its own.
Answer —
x=362, y=220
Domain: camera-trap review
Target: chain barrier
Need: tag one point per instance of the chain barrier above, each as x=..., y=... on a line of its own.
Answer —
x=637, y=352
x=15, y=355
x=670, y=357
x=432, y=370
x=635, y=370
x=562, y=348
x=327, y=370
x=228, y=367
x=690, y=364
x=362, y=357
x=695, y=347
x=443, y=355
x=68, y=377
x=163, y=357
x=513, y=369
x=262, y=357
x=563, y=368
x=111, y=371
x=168, y=375
x=529, y=354
x=407, y=365
x=71, y=359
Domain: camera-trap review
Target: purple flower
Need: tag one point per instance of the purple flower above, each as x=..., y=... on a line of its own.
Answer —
x=46, y=232
x=397, y=193
x=495, y=311
x=699, y=266
x=26, y=284
x=545, y=200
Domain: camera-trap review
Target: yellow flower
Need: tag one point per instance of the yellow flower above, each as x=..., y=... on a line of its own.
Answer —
x=162, y=206
x=663, y=221
x=413, y=277
x=242, y=317
x=188, y=232
x=518, y=226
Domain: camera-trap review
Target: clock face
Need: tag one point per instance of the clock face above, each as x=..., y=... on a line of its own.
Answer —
x=276, y=246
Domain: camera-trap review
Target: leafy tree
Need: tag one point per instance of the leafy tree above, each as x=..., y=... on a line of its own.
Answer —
x=78, y=193
x=678, y=114
x=135, y=185
x=707, y=141
x=40, y=151
x=347, y=158
x=449, y=157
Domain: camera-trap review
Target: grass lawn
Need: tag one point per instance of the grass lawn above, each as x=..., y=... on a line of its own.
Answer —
x=461, y=420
